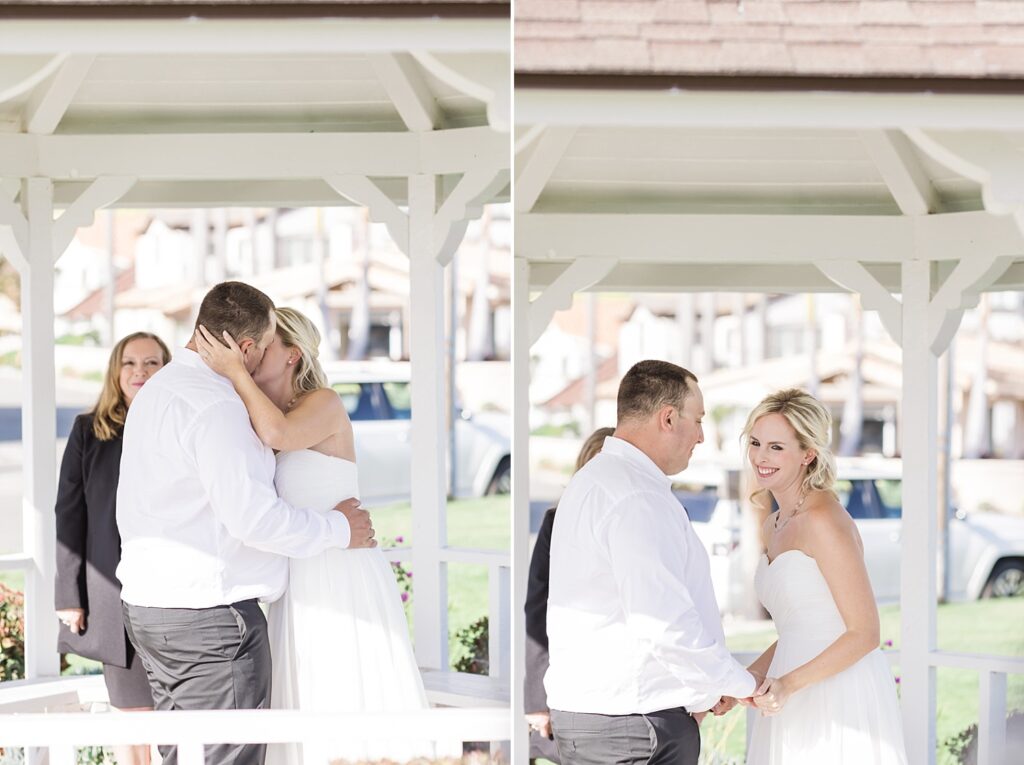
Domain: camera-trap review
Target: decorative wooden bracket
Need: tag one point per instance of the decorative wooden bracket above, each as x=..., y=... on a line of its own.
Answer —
x=581, y=274
x=853, y=276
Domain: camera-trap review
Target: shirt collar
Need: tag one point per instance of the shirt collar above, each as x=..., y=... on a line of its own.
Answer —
x=620, y=448
x=189, y=358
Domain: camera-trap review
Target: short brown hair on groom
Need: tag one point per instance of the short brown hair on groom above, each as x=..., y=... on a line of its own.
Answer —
x=240, y=309
x=649, y=385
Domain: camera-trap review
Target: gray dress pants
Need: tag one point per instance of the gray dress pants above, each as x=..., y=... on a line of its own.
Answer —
x=668, y=737
x=205, y=658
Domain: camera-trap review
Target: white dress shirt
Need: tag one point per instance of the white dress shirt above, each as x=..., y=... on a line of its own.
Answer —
x=201, y=524
x=633, y=625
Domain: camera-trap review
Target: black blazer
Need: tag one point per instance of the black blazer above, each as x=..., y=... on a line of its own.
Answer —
x=536, y=699
x=89, y=547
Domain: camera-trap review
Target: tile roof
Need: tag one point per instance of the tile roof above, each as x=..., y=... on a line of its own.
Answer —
x=809, y=38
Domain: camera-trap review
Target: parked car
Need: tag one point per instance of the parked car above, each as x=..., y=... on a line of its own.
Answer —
x=378, y=400
x=986, y=549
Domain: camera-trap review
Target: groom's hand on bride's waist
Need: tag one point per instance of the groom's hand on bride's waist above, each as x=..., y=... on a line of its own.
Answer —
x=359, y=523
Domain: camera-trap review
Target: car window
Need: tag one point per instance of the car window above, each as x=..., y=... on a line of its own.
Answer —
x=358, y=400
x=890, y=493
x=400, y=399
x=856, y=498
x=699, y=504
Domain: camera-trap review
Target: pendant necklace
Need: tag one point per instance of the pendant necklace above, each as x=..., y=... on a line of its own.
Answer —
x=796, y=509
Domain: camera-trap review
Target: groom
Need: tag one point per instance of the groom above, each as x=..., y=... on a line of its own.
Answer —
x=203, y=533
x=636, y=644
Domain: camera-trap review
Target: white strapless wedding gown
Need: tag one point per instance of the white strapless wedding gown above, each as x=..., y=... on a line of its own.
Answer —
x=338, y=636
x=851, y=718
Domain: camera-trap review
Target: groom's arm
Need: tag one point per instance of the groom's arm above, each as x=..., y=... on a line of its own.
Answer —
x=238, y=477
x=649, y=565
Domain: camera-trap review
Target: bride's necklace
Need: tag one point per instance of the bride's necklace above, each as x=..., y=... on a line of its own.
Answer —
x=796, y=509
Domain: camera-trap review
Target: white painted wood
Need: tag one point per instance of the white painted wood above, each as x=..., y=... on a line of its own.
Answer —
x=521, y=342
x=49, y=103
x=744, y=109
x=1007, y=665
x=26, y=82
x=15, y=562
x=774, y=239
x=992, y=719
x=894, y=156
x=580, y=275
x=488, y=83
x=918, y=575
x=13, y=234
x=460, y=689
x=959, y=292
x=855, y=277
x=39, y=427
x=249, y=156
x=62, y=755
x=401, y=77
x=186, y=728
x=472, y=556
x=426, y=343
x=534, y=173
x=477, y=186
x=527, y=140
x=500, y=601
x=253, y=36
x=101, y=193
x=362, y=191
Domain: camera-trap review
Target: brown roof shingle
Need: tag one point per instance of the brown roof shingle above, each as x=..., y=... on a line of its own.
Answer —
x=830, y=38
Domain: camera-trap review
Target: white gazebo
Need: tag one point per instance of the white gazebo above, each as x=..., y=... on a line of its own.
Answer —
x=400, y=107
x=906, y=190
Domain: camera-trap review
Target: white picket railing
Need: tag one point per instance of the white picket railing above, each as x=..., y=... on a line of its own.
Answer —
x=60, y=734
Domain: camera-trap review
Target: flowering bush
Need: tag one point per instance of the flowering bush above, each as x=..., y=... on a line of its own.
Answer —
x=12, y=634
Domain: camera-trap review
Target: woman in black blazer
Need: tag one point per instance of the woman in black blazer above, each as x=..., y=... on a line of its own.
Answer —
x=88, y=546
x=537, y=714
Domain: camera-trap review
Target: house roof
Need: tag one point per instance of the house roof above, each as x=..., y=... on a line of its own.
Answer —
x=916, y=39
x=251, y=8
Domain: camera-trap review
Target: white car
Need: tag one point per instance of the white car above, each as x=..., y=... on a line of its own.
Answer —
x=986, y=549
x=377, y=398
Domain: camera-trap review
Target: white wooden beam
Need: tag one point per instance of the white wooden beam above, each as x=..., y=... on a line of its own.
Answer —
x=917, y=571
x=463, y=203
x=959, y=292
x=27, y=77
x=775, y=239
x=13, y=234
x=854, y=277
x=48, y=104
x=409, y=92
x=38, y=427
x=992, y=717
x=363, y=191
x=751, y=110
x=580, y=275
x=426, y=343
x=249, y=156
x=487, y=81
x=101, y=193
x=535, y=171
x=520, y=498
x=253, y=36
x=893, y=155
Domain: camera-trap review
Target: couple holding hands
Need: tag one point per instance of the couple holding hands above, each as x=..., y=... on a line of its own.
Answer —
x=636, y=649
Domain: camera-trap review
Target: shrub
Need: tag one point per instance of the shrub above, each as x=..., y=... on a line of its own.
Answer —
x=472, y=647
x=12, y=634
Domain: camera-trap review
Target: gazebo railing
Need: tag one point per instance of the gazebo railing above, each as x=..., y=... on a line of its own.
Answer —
x=60, y=734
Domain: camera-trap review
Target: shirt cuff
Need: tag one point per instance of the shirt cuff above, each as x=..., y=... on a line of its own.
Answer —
x=341, y=532
x=703, y=705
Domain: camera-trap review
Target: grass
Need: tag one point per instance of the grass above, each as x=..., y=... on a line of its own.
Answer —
x=479, y=523
x=985, y=627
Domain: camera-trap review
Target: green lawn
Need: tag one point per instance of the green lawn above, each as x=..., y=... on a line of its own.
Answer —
x=480, y=523
x=985, y=626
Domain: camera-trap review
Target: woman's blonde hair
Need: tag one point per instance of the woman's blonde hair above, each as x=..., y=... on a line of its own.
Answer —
x=112, y=408
x=297, y=331
x=592, y=446
x=812, y=423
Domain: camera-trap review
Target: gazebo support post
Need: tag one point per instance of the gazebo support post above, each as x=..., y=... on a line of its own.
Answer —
x=522, y=339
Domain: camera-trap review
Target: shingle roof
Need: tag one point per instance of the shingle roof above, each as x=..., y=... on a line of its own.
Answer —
x=810, y=38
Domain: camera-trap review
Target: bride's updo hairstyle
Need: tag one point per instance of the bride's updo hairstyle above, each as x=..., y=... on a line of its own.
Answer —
x=812, y=423
x=296, y=331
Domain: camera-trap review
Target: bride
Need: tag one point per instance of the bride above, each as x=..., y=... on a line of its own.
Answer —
x=826, y=694
x=338, y=636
